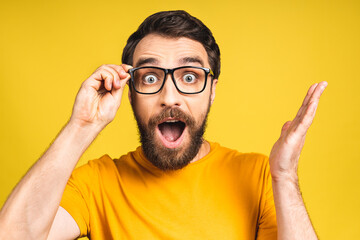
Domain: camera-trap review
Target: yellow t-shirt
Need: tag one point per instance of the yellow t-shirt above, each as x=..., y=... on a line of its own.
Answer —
x=225, y=195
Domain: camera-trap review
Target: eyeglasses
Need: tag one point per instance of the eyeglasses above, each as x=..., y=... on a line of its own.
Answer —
x=187, y=79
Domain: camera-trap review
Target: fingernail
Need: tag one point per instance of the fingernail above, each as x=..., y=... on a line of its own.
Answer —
x=322, y=89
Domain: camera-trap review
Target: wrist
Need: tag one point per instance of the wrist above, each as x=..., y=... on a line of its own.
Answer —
x=79, y=135
x=80, y=127
x=286, y=188
x=284, y=178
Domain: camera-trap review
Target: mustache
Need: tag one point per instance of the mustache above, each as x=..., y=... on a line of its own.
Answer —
x=172, y=112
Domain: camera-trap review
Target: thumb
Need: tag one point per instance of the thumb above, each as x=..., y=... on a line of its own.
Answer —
x=117, y=92
x=285, y=127
x=124, y=81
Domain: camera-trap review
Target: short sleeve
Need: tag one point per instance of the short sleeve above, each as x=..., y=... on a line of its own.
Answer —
x=267, y=228
x=76, y=196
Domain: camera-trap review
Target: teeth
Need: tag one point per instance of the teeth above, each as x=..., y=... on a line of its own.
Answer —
x=172, y=121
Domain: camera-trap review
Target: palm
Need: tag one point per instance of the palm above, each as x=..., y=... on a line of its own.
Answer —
x=286, y=151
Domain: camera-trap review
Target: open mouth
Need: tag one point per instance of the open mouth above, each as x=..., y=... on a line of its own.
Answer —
x=171, y=132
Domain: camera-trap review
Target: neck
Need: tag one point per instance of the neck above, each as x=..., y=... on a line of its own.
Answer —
x=203, y=151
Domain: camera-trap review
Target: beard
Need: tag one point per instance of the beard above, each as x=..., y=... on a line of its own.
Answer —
x=168, y=159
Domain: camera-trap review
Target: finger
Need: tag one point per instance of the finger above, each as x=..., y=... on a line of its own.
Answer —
x=309, y=94
x=122, y=70
x=315, y=96
x=124, y=77
x=101, y=77
x=117, y=93
x=126, y=67
x=114, y=72
x=285, y=127
x=119, y=69
x=310, y=109
x=308, y=117
x=117, y=81
x=105, y=76
x=306, y=100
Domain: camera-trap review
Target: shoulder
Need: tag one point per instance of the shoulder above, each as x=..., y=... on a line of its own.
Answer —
x=251, y=162
x=106, y=167
x=237, y=156
x=93, y=170
x=101, y=164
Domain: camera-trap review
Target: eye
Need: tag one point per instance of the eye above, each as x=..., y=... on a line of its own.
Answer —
x=150, y=79
x=189, y=78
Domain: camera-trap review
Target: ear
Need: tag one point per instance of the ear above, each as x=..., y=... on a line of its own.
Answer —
x=129, y=92
x=213, y=88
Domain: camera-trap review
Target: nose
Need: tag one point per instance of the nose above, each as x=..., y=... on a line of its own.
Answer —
x=169, y=95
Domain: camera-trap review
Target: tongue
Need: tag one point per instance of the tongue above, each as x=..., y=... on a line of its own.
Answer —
x=171, y=132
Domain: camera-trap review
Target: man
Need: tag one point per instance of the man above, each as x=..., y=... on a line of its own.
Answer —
x=176, y=185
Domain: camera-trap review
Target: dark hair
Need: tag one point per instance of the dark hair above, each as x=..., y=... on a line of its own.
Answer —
x=175, y=24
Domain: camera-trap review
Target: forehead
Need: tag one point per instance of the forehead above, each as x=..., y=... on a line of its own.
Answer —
x=169, y=52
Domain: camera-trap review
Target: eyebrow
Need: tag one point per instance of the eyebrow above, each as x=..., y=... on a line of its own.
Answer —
x=182, y=61
x=194, y=59
x=143, y=61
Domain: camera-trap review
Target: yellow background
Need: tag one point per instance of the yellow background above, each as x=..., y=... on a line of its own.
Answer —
x=272, y=51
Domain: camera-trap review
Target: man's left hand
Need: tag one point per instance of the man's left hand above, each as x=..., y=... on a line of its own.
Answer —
x=284, y=156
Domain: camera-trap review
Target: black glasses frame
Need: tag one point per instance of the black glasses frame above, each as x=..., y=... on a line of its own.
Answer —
x=207, y=71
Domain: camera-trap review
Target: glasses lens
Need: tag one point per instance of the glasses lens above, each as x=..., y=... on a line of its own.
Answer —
x=190, y=80
x=148, y=80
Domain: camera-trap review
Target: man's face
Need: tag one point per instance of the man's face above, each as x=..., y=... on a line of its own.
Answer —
x=171, y=123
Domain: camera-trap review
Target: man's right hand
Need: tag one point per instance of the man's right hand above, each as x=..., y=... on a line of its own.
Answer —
x=30, y=210
x=100, y=96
